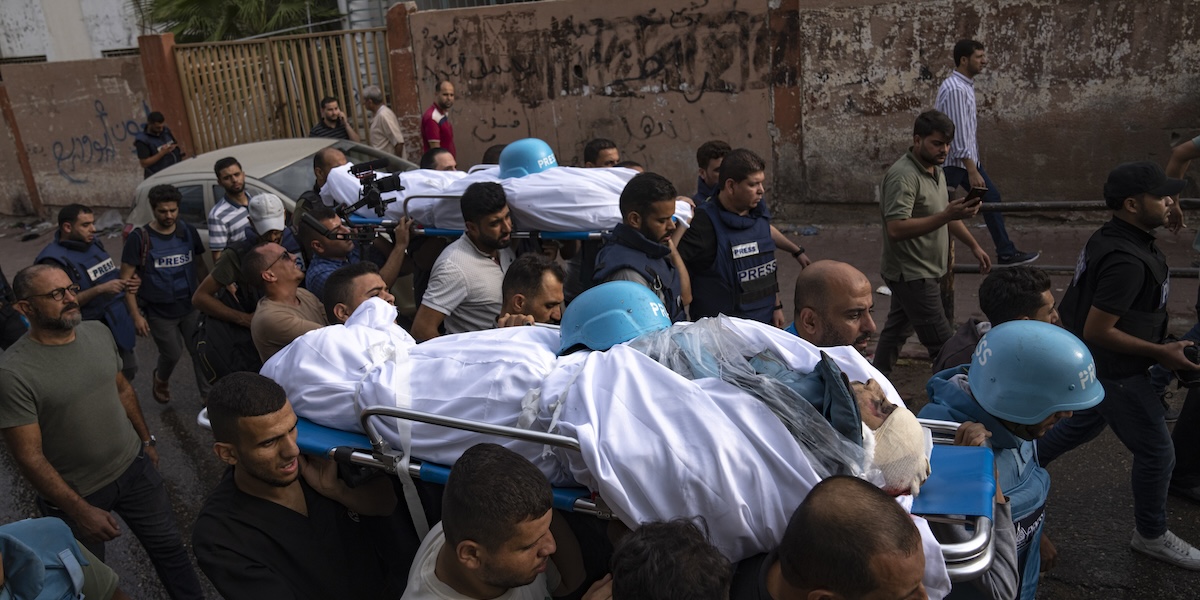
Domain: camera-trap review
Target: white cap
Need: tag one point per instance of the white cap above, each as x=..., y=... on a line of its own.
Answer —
x=267, y=213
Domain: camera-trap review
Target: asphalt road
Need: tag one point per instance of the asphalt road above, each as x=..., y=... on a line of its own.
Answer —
x=1090, y=511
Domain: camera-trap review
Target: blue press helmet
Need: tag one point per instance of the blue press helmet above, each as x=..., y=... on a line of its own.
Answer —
x=1024, y=371
x=526, y=157
x=609, y=314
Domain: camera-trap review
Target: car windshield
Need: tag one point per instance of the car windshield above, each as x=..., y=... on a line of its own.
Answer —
x=297, y=177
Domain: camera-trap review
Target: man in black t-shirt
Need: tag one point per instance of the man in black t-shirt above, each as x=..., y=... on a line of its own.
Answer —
x=333, y=122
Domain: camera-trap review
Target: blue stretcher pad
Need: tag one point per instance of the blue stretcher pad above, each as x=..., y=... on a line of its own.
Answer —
x=319, y=440
x=963, y=483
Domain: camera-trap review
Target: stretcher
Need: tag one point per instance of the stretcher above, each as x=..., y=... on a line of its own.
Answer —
x=960, y=490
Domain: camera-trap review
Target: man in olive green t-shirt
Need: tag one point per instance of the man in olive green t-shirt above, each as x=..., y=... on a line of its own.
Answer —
x=73, y=424
x=916, y=220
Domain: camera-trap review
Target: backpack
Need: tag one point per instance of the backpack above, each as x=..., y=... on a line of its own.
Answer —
x=223, y=347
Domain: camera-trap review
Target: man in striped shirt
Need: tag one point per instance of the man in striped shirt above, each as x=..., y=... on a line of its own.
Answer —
x=956, y=98
x=229, y=217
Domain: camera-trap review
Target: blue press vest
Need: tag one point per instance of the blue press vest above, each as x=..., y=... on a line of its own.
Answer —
x=741, y=281
x=89, y=266
x=659, y=272
x=156, y=142
x=169, y=273
x=1021, y=478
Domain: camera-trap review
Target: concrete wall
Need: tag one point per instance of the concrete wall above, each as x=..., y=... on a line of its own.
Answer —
x=658, y=80
x=77, y=121
x=827, y=90
x=64, y=30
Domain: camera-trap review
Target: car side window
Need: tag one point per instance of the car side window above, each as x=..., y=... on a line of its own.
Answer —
x=191, y=207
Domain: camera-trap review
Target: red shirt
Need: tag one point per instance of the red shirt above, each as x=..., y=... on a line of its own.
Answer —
x=435, y=125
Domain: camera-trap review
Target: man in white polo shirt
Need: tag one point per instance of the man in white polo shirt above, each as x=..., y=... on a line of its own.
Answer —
x=465, y=285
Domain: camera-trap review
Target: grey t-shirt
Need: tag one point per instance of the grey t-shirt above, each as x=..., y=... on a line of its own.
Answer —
x=70, y=391
x=465, y=286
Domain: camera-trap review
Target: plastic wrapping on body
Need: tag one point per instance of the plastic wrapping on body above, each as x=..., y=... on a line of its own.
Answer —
x=708, y=349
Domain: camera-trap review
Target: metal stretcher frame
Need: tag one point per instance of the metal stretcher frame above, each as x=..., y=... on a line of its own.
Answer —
x=964, y=561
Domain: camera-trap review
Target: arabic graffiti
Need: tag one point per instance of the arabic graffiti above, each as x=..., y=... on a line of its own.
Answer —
x=100, y=143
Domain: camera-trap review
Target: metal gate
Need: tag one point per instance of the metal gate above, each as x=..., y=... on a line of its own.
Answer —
x=255, y=90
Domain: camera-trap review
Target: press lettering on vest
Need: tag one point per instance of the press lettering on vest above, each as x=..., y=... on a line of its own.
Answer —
x=177, y=260
x=756, y=272
x=101, y=269
x=744, y=250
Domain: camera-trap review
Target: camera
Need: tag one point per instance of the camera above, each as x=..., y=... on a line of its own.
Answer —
x=374, y=186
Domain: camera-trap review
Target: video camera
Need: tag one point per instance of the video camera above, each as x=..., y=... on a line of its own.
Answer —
x=373, y=188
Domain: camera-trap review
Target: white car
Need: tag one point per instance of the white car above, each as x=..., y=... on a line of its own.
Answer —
x=280, y=167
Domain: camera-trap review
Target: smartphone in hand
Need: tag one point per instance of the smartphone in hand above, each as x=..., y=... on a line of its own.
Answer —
x=976, y=195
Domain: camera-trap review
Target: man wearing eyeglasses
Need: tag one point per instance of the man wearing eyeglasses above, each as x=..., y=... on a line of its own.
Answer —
x=286, y=311
x=77, y=432
x=102, y=290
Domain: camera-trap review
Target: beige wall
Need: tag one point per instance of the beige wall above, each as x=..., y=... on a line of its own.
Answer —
x=77, y=120
x=827, y=91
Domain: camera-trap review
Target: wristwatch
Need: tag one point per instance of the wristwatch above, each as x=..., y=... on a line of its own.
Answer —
x=152, y=442
x=798, y=252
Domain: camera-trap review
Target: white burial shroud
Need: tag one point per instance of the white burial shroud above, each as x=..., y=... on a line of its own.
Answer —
x=654, y=445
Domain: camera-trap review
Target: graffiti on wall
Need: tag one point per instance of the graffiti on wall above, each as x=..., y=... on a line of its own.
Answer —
x=101, y=141
x=689, y=52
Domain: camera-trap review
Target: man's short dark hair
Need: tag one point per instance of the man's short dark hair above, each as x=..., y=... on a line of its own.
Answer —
x=491, y=156
x=225, y=163
x=593, y=148
x=832, y=537
x=164, y=193
x=308, y=233
x=339, y=287
x=238, y=395
x=965, y=49
x=933, y=120
x=710, y=151
x=326, y=101
x=70, y=213
x=643, y=191
x=668, y=560
x=429, y=159
x=524, y=275
x=22, y=283
x=438, y=88
x=1013, y=293
x=254, y=262
x=156, y=117
x=738, y=165
x=321, y=158
x=482, y=199
x=490, y=491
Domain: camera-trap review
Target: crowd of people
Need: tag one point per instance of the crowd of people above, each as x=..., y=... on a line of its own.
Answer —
x=284, y=525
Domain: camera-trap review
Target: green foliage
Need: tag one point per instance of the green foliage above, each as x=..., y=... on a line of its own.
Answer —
x=216, y=20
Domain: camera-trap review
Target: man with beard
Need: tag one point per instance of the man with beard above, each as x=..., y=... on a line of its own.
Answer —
x=280, y=525
x=917, y=218
x=230, y=216
x=641, y=248
x=168, y=256
x=465, y=285
x=77, y=433
x=532, y=291
x=333, y=123
x=436, y=130
x=102, y=291
x=833, y=306
x=1117, y=305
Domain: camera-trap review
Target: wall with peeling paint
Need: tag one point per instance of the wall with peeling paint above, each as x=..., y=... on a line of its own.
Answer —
x=66, y=29
x=658, y=81
x=826, y=90
x=77, y=121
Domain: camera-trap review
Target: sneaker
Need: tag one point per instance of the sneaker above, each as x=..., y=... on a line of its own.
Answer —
x=1018, y=258
x=161, y=389
x=1169, y=549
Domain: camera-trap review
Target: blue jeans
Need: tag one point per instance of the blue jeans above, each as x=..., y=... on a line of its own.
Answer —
x=139, y=496
x=957, y=176
x=1136, y=416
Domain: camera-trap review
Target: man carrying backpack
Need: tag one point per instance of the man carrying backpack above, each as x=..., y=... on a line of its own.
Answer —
x=167, y=254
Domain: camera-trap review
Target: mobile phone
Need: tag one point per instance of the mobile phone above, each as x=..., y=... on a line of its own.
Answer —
x=976, y=193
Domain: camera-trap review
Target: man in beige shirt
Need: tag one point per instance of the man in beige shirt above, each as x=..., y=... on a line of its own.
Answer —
x=385, y=132
x=286, y=311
